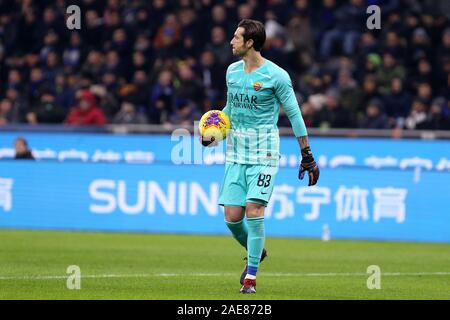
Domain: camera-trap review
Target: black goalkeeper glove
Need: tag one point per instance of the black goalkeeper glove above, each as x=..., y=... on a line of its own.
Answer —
x=308, y=164
x=208, y=142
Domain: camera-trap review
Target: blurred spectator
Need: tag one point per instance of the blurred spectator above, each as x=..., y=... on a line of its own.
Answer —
x=14, y=80
x=47, y=110
x=28, y=31
x=185, y=113
x=8, y=114
x=348, y=91
x=244, y=11
x=423, y=73
x=436, y=120
x=162, y=98
x=397, y=103
x=167, y=35
x=443, y=50
x=332, y=115
x=120, y=43
x=424, y=92
x=211, y=76
x=220, y=46
x=190, y=87
x=219, y=18
x=65, y=93
x=323, y=18
x=52, y=67
x=128, y=115
x=300, y=31
x=374, y=118
x=369, y=66
x=73, y=53
x=22, y=151
x=369, y=93
x=139, y=90
x=51, y=44
x=94, y=65
x=389, y=69
x=420, y=45
x=37, y=85
x=93, y=30
x=418, y=115
x=350, y=19
x=19, y=103
x=86, y=112
x=445, y=91
x=394, y=45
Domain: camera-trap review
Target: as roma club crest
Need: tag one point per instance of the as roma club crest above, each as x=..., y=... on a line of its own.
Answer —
x=257, y=85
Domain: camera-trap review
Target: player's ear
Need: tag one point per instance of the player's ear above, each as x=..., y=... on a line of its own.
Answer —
x=249, y=43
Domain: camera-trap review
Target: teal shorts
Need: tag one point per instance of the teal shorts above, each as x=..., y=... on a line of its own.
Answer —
x=244, y=183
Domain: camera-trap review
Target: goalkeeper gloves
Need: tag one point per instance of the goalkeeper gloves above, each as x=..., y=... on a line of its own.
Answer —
x=308, y=164
x=208, y=142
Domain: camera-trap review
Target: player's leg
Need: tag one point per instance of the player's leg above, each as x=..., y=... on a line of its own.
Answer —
x=260, y=187
x=255, y=244
x=234, y=219
x=232, y=196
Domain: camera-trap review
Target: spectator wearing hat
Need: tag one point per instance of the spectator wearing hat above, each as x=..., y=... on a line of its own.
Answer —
x=86, y=112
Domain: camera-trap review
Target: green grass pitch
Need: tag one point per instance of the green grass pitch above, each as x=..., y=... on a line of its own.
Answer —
x=33, y=265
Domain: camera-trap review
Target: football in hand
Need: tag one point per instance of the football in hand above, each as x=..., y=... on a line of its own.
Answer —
x=213, y=127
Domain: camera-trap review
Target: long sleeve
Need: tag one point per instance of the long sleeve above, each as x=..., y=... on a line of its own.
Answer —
x=286, y=95
x=227, y=108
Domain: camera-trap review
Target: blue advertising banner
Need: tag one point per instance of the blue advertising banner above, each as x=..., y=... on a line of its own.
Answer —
x=369, y=188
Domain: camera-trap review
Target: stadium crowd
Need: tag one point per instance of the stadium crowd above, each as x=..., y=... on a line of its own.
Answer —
x=164, y=61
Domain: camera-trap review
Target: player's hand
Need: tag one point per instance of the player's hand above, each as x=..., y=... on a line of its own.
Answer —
x=208, y=141
x=308, y=165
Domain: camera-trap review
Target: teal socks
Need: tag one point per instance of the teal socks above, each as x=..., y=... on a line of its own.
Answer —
x=252, y=237
x=239, y=231
x=255, y=243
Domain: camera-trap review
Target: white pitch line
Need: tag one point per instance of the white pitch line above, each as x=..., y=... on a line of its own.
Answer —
x=264, y=274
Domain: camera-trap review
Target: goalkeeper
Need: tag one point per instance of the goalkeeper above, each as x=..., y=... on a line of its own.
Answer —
x=256, y=88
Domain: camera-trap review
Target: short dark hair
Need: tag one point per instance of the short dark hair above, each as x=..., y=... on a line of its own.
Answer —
x=253, y=30
x=20, y=139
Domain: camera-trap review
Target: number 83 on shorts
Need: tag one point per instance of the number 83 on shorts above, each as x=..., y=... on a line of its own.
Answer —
x=244, y=183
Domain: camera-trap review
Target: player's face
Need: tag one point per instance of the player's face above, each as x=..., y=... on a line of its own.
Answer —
x=239, y=47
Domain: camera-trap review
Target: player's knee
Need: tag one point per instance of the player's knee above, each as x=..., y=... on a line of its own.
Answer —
x=254, y=210
x=234, y=214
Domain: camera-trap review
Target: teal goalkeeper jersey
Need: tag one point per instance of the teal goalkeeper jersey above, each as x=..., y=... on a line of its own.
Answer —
x=253, y=105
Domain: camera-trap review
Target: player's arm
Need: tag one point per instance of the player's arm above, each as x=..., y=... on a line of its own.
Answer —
x=227, y=108
x=286, y=95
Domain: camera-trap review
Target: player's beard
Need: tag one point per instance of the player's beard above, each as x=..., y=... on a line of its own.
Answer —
x=242, y=52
